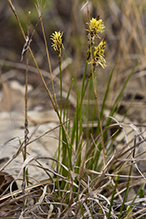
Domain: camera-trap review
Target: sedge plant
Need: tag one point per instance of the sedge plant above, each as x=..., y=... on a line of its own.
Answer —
x=83, y=184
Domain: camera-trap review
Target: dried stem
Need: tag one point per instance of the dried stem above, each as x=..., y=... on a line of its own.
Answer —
x=26, y=119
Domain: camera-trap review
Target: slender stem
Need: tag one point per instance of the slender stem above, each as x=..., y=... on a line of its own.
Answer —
x=98, y=114
x=26, y=120
x=96, y=97
x=60, y=129
x=59, y=62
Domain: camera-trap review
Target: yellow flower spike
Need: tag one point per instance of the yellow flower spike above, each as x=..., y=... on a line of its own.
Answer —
x=57, y=42
x=99, y=54
x=99, y=50
x=96, y=26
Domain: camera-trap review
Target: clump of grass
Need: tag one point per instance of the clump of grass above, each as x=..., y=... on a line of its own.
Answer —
x=88, y=177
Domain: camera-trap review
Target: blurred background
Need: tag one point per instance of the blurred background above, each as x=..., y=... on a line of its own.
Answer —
x=125, y=32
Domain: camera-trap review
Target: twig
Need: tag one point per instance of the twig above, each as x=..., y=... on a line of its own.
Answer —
x=26, y=100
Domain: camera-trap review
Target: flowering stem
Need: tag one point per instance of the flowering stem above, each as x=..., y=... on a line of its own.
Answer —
x=98, y=114
x=96, y=26
x=59, y=62
x=61, y=130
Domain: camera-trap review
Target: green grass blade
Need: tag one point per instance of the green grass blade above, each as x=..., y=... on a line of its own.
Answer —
x=107, y=91
x=112, y=198
x=114, y=108
x=126, y=193
x=129, y=207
